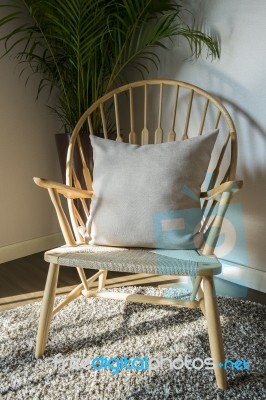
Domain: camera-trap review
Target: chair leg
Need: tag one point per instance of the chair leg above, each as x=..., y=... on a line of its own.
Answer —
x=214, y=330
x=201, y=301
x=102, y=280
x=46, y=309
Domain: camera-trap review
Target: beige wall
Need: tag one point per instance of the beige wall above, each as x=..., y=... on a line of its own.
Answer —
x=27, y=149
x=238, y=78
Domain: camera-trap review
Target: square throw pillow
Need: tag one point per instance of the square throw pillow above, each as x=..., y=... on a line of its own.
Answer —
x=148, y=196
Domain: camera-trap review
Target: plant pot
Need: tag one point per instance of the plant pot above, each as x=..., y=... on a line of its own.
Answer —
x=62, y=141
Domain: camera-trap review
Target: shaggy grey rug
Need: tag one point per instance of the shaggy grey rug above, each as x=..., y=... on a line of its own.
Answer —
x=98, y=327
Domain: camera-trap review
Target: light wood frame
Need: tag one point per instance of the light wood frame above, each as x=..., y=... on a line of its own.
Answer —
x=216, y=199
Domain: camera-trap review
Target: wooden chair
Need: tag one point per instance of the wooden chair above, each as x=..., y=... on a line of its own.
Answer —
x=159, y=110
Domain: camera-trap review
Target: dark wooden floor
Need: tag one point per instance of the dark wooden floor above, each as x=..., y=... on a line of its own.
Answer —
x=23, y=280
x=28, y=274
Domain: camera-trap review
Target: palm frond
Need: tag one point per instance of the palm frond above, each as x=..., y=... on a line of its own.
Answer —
x=82, y=47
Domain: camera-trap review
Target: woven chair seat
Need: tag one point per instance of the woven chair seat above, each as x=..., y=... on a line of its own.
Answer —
x=135, y=260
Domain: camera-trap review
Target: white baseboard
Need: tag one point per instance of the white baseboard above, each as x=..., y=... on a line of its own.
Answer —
x=23, y=249
x=244, y=276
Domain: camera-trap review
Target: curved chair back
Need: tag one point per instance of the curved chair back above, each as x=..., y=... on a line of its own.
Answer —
x=155, y=111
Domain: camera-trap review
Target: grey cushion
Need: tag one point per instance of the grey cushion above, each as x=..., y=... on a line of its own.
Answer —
x=148, y=196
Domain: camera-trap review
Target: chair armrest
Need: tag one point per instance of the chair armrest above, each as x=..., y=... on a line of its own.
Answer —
x=68, y=191
x=230, y=186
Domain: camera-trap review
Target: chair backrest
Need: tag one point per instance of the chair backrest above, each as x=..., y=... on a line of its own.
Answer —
x=153, y=111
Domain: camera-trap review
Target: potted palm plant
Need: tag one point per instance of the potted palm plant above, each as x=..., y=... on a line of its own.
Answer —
x=81, y=48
